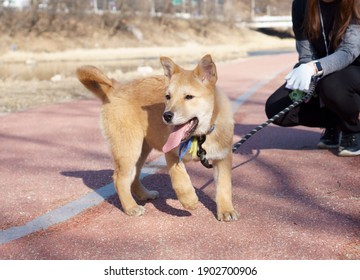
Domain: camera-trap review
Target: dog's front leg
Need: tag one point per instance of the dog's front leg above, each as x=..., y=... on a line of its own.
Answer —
x=181, y=182
x=222, y=177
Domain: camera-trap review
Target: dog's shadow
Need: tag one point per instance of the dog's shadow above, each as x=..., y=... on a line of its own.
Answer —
x=162, y=184
x=159, y=182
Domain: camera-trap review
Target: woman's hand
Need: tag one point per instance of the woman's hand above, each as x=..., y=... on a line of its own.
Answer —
x=300, y=77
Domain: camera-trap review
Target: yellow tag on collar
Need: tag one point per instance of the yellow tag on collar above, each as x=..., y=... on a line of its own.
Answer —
x=194, y=148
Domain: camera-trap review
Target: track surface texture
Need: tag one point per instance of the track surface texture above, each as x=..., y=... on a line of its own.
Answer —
x=295, y=201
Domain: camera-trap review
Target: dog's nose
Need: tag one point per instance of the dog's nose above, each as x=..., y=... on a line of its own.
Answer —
x=168, y=116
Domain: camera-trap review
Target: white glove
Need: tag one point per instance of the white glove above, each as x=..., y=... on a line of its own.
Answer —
x=300, y=77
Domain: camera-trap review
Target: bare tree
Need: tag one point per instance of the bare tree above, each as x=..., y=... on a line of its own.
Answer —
x=34, y=16
x=68, y=15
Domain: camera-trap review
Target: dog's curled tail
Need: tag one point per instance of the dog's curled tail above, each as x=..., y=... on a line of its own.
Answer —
x=95, y=81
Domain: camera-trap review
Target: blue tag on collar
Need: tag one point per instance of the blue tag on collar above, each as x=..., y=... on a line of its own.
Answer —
x=184, y=148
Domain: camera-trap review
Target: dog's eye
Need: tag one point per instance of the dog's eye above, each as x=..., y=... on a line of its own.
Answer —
x=189, y=97
x=167, y=96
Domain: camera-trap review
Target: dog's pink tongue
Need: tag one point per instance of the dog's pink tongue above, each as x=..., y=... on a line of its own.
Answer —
x=174, y=138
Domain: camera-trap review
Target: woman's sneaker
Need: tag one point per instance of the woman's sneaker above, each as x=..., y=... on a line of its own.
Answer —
x=349, y=145
x=330, y=138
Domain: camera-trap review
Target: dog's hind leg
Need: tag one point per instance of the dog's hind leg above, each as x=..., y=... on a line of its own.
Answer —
x=181, y=182
x=126, y=157
x=222, y=177
x=137, y=187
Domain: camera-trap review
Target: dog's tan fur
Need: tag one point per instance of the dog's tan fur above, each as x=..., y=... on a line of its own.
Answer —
x=132, y=116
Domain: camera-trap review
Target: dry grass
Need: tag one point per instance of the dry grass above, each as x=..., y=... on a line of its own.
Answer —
x=119, y=55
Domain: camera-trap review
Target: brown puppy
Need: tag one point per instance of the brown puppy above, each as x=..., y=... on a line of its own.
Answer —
x=165, y=112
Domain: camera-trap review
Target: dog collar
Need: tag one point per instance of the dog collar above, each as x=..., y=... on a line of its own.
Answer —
x=194, y=147
x=211, y=129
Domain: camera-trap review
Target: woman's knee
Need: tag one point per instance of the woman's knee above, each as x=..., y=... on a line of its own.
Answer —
x=270, y=107
x=277, y=102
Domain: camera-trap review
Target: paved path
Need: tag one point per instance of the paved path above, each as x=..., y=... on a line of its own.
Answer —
x=57, y=199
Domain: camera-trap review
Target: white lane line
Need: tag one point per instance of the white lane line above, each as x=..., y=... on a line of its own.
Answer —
x=58, y=215
x=95, y=197
x=244, y=97
x=72, y=208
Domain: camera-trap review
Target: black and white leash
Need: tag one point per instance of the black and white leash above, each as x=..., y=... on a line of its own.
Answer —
x=308, y=95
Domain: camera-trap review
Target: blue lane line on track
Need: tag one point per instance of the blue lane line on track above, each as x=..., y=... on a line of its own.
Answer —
x=95, y=197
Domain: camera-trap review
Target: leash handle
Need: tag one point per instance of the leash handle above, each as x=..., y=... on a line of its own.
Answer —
x=309, y=94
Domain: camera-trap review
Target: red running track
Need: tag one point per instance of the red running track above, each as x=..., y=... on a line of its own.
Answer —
x=295, y=202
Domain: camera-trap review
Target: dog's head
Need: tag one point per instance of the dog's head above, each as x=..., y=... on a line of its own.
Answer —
x=190, y=97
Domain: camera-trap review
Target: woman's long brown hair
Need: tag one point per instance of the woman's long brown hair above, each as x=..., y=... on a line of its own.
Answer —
x=348, y=11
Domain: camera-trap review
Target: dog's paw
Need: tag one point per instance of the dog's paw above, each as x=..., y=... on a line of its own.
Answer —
x=149, y=195
x=188, y=199
x=228, y=216
x=137, y=210
x=153, y=195
x=190, y=205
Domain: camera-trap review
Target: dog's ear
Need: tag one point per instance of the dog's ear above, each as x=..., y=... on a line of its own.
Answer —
x=95, y=81
x=206, y=70
x=169, y=66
